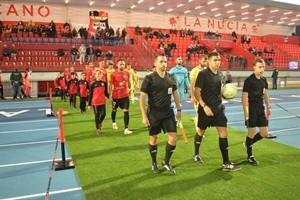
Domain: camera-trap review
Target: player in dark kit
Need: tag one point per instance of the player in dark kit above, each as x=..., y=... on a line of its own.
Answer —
x=83, y=87
x=253, y=97
x=211, y=110
x=98, y=92
x=159, y=86
x=72, y=89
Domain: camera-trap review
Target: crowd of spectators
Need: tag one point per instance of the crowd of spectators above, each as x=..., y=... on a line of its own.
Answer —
x=10, y=53
x=237, y=62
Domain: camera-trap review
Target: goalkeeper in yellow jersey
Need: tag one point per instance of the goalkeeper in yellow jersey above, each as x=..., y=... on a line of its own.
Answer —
x=136, y=80
x=110, y=69
x=193, y=76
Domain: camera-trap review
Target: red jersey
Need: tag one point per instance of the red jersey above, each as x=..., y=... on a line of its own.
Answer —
x=98, y=92
x=120, y=82
x=104, y=77
x=67, y=75
x=83, y=87
x=88, y=74
x=56, y=85
x=72, y=86
x=62, y=83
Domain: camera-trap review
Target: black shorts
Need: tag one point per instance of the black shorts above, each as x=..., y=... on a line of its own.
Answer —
x=219, y=118
x=161, y=120
x=122, y=103
x=257, y=116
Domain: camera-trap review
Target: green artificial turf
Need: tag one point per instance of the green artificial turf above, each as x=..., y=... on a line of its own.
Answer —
x=117, y=166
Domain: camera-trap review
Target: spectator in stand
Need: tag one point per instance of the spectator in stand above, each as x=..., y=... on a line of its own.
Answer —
x=234, y=36
x=66, y=25
x=111, y=32
x=109, y=56
x=60, y=52
x=118, y=33
x=90, y=53
x=138, y=30
x=260, y=53
x=218, y=35
x=5, y=51
x=248, y=39
x=98, y=53
x=30, y=24
x=182, y=33
x=124, y=33
x=13, y=51
x=52, y=29
x=74, y=52
x=74, y=33
x=266, y=50
x=80, y=31
x=243, y=39
x=272, y=50
x=20, y=26
x=82, y=52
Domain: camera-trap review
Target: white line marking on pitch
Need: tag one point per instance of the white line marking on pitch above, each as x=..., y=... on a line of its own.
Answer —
x=30, y=130
x=43, y=194
x=27, y=143
x=32, y=163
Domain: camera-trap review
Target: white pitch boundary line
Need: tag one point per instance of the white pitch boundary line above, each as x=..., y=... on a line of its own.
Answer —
x=27, y=143
x=31, y=163
x=30, y=130
x=43, y=194
x=33, y=121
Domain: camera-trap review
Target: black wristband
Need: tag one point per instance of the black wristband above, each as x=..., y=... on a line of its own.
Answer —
x=178, y=110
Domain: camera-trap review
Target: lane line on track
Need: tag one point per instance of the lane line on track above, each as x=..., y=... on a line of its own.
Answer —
x=32, y=163
x=27, y=143
x=283, y=130
x=43, y=194
x=30, y=130
x=31, y=121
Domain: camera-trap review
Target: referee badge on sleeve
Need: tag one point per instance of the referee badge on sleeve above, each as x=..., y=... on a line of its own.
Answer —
x=169, y=90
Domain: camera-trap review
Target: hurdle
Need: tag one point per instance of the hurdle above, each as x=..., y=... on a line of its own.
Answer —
x=47, y=92
x=63, y=164
x=50, y=112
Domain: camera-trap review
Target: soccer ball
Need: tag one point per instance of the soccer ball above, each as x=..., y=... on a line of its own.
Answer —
x=229, y=91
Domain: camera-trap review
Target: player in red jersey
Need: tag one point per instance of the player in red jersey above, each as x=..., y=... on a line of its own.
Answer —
x=72, y=89
x=67, y=73
x=88, y=71
x=56, y=85
x=98, y=92
x=83, y=87
x=62, y=83
x=119, y=94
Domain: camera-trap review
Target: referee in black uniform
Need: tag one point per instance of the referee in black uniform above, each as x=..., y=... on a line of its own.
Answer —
x=159, y=86
x=210, y=110
x=253, y=97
